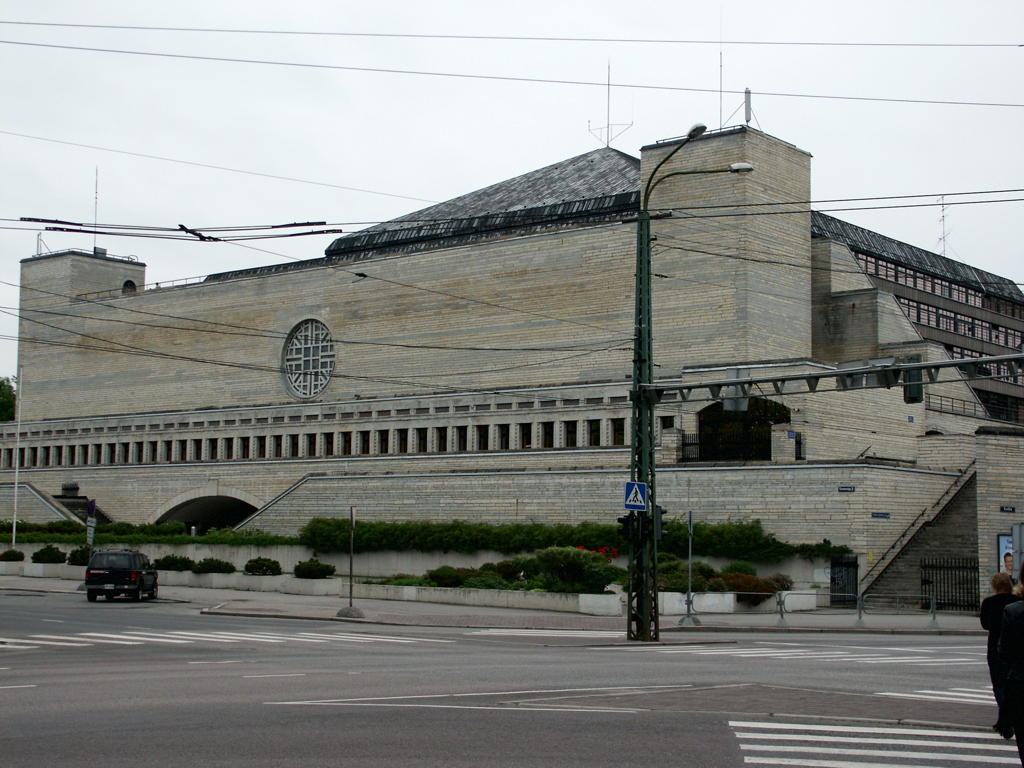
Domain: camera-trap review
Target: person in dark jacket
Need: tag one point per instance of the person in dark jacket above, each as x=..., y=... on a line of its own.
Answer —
x=992, y=619
x=1010, y=648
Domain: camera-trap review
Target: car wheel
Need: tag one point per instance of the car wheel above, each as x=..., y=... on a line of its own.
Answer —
x=137, y=594
x=152, y=594
x=90, y=595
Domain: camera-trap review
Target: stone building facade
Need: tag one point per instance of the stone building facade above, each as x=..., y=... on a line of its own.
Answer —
x=471, y=361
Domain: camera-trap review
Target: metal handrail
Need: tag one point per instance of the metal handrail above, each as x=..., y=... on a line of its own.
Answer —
x=916, y=525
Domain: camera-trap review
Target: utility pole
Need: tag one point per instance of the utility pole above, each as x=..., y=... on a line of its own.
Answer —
x=643, y=529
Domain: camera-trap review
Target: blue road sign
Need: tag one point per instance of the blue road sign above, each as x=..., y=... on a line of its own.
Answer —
x=636, y=496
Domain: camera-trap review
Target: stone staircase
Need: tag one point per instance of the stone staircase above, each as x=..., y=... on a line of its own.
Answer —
x=926, y=536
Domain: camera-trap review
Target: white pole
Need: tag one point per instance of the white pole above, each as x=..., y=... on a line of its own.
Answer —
x=17, y=457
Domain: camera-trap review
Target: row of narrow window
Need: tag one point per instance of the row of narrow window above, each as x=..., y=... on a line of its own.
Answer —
x=934, y=317
x=413, y=440
x=912, y=278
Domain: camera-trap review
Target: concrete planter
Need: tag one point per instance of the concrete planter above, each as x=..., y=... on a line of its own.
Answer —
x=714, y=602
x=214, y=580
x=251, y=583
x=176, y=578
x=600, y=605
x=802, y=601
x=318, y=587
x=11, y=567
x=593, y=605
x=49, y=570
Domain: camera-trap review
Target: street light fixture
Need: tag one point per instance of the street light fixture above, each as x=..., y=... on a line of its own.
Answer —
x=642, y=598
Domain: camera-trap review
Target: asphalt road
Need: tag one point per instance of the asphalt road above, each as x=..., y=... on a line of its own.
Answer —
x=156, y=684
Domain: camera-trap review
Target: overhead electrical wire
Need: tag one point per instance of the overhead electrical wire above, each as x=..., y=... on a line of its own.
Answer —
x=215, y=167
x=506, y=78
x=510, y=38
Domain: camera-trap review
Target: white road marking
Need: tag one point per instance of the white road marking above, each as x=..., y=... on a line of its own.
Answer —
x=840, y=751
x=288, y=674
x=863, y=740
x=86, y=641
x=157, y=638
x=228, y=661
x=949, y=734
x=762, y=744
x=548, y=632
x=201, y=636
x=8, y=687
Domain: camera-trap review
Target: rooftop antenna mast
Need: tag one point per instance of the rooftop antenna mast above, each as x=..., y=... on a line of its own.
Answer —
x=95, y=208
x=607, y=134
x=944, y=234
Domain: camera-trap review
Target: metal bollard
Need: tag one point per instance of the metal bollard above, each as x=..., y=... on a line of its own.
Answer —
x=934, y=623
x=780, y=600
x=690, y=617
x=859, y=624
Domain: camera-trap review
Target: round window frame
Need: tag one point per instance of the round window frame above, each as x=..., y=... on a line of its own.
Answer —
x=292, y=354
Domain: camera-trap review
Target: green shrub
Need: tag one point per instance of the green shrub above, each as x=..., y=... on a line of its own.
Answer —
x=263, y=566
x=447, y=576
x=313, y=569
x=750, y=590
x=213, y=565
x=79, y=556
x=525, y=567
x=49, y=554
x=409, y=581
x=738, y=566
x=173, y=563
x=782, y=582
x=569, y=569
x=12, y=556
x=486, y=581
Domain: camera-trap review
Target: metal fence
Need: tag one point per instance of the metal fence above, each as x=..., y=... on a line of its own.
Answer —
x=951, y=581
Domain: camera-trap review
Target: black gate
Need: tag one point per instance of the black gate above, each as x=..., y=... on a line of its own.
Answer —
x=843, y=582
x=952, y=581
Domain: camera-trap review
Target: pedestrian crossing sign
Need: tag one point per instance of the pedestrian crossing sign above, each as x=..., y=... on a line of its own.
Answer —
x=636, y=496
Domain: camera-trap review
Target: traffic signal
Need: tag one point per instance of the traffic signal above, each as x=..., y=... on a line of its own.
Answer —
x=659, y=523
x=627, y=525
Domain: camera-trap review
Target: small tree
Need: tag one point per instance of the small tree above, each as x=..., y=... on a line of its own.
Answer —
x=8, y=397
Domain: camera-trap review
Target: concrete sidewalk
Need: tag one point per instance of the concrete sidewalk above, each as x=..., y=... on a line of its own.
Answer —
x=277, y=605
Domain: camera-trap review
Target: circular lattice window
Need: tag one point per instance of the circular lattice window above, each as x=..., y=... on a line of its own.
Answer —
x=308, y=359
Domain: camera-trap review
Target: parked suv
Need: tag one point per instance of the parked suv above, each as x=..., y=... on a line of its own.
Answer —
x=120, y=572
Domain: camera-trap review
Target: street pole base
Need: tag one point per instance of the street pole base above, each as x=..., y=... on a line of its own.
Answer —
x=350, y=612
x=689, y=621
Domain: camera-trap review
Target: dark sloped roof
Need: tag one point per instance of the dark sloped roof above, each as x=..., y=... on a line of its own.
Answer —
x=580, y=186
x=601, y=185
x=866, y=241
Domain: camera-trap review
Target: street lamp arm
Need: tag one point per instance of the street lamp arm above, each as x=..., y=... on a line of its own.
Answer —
x=693, y=133
x=734, y=168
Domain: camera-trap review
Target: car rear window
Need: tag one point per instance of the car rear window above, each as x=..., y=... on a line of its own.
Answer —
x=111, y=560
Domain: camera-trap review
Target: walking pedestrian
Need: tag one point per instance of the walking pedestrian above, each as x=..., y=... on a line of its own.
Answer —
x=1010, y=649
x=991, y=616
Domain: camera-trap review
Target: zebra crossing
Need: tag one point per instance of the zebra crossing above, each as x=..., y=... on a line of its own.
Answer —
x=130, y=637
x=815, y=745
x=955, y=695
x=867, y=655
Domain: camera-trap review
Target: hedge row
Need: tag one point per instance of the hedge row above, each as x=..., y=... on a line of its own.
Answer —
x=733, y=540
x=736, y=540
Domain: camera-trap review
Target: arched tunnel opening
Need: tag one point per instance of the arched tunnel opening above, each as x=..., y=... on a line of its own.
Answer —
x=209, y=512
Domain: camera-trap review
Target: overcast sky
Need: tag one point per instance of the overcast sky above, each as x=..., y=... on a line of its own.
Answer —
x=391, y=143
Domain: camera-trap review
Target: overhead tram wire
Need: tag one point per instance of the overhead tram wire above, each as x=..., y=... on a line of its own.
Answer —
x=128, y=349
x=505, y=78
x=212, y=166
x=509, y=38
x=263, y=333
